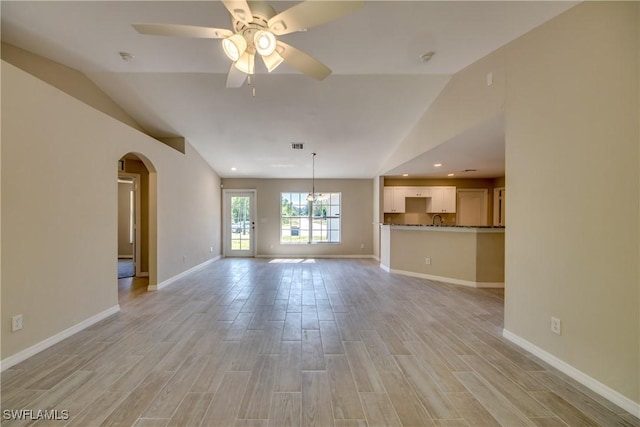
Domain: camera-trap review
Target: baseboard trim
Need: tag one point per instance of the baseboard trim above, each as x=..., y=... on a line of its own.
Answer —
x=318, y=256
x=451, y=280
x=125, y=256
x=596, y=386
x=183, y=274
x=54, y=339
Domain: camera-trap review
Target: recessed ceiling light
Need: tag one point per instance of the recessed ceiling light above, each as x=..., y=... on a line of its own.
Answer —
x=451, y=174
x=437, y=165
x=234, y=168
x=405, y=174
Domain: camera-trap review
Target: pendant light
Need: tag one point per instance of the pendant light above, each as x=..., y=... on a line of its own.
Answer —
x=312, y=196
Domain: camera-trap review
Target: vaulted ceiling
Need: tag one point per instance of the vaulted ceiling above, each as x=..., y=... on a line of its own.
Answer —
x=354, y=119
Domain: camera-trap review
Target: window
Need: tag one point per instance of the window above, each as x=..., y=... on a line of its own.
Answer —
x=303, y=222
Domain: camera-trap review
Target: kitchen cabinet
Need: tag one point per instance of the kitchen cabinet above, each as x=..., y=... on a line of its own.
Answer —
x=442, y=200
x=394, y=199
x=417, y=191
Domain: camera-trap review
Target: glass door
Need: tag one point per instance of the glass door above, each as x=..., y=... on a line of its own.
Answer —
x=239, y=223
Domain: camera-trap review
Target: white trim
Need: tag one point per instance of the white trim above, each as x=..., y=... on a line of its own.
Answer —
x=451, y=280
x=54, y=339
x=137, y=252
x=317, y=256
x=608, y=393
x=181, y=275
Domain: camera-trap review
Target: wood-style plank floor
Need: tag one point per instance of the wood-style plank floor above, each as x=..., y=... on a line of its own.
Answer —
x=253, y=342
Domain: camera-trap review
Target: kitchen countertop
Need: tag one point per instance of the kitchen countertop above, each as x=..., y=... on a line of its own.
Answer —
x=458, y=228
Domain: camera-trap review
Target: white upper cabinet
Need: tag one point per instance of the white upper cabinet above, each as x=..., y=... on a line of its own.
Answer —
x=439, y=199
x=443, y=200
x=394, y=199
x=417, y=191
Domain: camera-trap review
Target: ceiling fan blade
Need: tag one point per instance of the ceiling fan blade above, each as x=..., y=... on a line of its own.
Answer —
x=176, y=30
x=235, y=78
x=310, y=14
x=302, y=62
x=239, y=9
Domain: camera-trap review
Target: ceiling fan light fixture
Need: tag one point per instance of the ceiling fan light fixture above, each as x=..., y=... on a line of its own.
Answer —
x=265, y=42
x=234, y=46
x=246, y=63
x=272, y=61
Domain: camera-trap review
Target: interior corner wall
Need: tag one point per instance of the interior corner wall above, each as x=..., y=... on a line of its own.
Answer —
x=572, y=149
x=59, y=209
x=465, y=102
x=68, y=80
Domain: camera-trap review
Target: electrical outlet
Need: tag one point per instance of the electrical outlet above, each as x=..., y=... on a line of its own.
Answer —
x=184, y=259
x=16, y=323
x=211, y=249
x=361, y=245
x=427, y=261
x=556, y=326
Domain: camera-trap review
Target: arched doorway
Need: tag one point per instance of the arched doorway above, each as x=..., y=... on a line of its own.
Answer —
x=137, y=222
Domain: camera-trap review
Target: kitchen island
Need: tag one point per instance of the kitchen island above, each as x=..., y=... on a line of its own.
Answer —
x=470, y=256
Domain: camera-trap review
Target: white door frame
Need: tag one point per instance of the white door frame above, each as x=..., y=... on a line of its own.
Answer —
x=136, y=191
x=226, y=222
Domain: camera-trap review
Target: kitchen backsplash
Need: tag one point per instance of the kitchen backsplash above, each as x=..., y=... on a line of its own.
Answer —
x=418, y=218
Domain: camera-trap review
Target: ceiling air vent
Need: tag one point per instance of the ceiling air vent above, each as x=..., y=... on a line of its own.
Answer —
x=297, y=146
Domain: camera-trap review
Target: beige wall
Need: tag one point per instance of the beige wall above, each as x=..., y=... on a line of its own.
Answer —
x=569, y=93
x=357, y=215
x=59, y=223
x=476, y=257
x=573, y=191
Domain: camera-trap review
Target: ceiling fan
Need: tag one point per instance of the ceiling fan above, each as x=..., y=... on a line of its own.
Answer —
x=255, y=27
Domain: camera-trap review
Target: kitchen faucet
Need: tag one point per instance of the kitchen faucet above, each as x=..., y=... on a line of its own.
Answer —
x=439, y=217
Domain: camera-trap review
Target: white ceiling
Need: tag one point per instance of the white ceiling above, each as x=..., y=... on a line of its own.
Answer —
x=354, y=119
